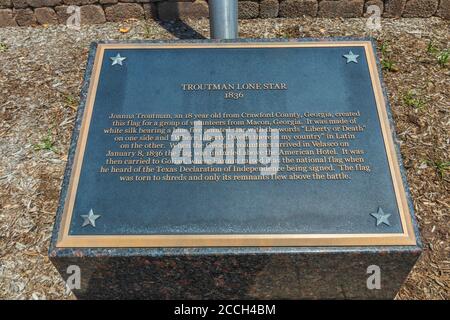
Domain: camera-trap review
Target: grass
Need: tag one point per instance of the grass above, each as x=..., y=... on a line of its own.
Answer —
x=389, y=65
x=442, y=56
x=412, y=100
x=3, y=47
x=46, y=143
x=442, y=167
x=384, y=48
x=386, y=62
x=431, y=48
x=71, y=102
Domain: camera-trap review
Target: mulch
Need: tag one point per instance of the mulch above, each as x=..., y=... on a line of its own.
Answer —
x=40, y=77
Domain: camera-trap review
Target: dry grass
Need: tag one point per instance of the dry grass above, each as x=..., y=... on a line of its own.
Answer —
x=40, y=78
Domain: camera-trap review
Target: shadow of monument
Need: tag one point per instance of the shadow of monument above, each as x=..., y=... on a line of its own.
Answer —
x=176, y=26
x=180, y=29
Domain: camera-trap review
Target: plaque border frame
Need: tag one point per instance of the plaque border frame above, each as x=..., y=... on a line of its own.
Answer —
x=407, y=237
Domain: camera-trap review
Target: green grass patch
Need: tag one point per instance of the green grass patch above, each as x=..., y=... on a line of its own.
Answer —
x=442, y=167
x=46, y=143
x=431, y=48
x=71, y=102
x=3, y=47
x=389, y=65
x=386, y=62
x=411, y=99
x=442, y=56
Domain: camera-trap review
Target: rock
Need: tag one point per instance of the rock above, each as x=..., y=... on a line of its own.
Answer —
x=43, y=3
x=7, y=18
x=420, y=8
x=92, y=14
x=124, y=11
x=61, y=12
x=79, y=2
x=89, y=14
x=19, y=4
x=269, y=8
x=248, y=10
x=342, y=8
x=46, y=16
x=298, y=8
x=182, y=10
x=145, y=1
x=24, y=17
x=444, y=9
x=378, y=3
x=108, y=1
x=5, y=4
x=393, y=8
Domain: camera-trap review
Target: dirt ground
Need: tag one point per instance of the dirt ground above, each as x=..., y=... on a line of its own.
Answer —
x=41, y=71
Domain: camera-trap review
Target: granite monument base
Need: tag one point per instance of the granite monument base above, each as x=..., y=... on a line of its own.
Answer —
x=237, y=273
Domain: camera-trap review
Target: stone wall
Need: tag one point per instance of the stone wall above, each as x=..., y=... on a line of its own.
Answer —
x=41, y=12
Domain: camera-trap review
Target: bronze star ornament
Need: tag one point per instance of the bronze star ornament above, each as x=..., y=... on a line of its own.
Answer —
x=117, y=59
x=351, y=57
x=381, y=217
x=89, y=219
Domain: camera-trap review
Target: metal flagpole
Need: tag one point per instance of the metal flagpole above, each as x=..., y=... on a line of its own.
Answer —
x=223, y=19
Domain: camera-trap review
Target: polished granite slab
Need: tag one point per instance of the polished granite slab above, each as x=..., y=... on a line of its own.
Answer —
x=314, y=222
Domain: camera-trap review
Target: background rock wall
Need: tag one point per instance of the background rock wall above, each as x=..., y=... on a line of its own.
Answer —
x=35, y=12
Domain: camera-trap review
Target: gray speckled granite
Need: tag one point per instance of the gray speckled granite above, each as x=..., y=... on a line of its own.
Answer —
x=231, y=273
